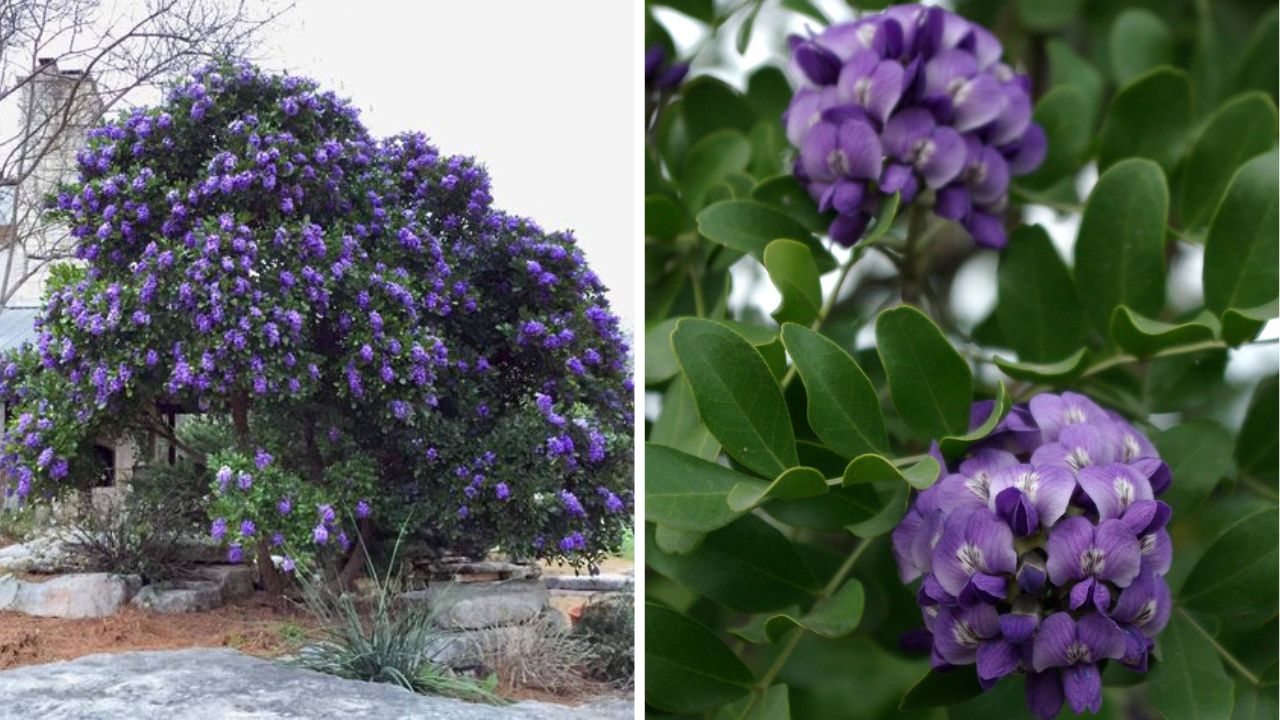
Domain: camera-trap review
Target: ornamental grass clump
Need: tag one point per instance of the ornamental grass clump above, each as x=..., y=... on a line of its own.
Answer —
x=914, y=101
x=1044, y=552
x=380, y=339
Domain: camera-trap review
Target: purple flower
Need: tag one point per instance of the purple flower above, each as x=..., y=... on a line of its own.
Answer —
x=1088, y=555
x=974, y=552
x=244, y=481
x=1076, y=648
x=285, y=506
x=571, y=504
x=262, y=458
x=363, y=510
x=218, y=529
x=326, y=514
x=501, y=491
x=320, y=534
x=235, y=554
x=287, y=564
x=247, y=528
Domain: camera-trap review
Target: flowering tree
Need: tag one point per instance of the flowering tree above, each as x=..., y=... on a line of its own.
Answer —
x=872, y=492
x=386, y=346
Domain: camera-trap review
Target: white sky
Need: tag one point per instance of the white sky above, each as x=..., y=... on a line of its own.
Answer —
x=543, y=93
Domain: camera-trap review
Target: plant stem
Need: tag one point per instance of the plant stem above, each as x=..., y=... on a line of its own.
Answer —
x=828, y=304
x=794, y=640
x=1226, y=655
x=699, y=302
x=1125, y=359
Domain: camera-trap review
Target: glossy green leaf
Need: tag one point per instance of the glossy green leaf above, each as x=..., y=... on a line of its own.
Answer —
x=710, y=161
x=1254, y=703
x=708, y=104
x=954, y=446
x=1240, y=325
x=1120, y=247
x=1256, y=69
x=703, y=10
x=784, y=192
x=746, y=27
x=887, y=518
x=843, y=408
x=1257, y=450
x=1052, y=372
x=1046, y=15
x=736, y=395
x=795, y=483
x=1242, y=251
x=883, y=220
x=1144, y=337
x=663, y=218
x=659, y=359
x=1189, y=683
x=791, y=268
x=867, y=469
x=1148, y=118
x=1241, y=129
x=939, y=689
x=1067, y=130
x=834, y=617
x=688, y=493
x=747, y=566
x=679, y=427
x=749, y=227
x=928, y=380
x=1038, y=307
x=769, y=92
x=773, y=703
x=1237, y=576
x=1066, y=67
x=1139, y=42
x=808, y=9
x=688, y=668
x=1198, y=453
x=676, y=542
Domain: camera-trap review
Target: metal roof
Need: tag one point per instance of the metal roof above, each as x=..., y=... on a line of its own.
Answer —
x=17, y=326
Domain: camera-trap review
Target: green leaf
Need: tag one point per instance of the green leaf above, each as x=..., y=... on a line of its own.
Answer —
x=1120, y=247
x=795, y=483
x=884, y=219
x=868, y=469
x=747, y=566
x=784, y=192
x=1148, y=118
x=1144, y=337
x=957, y=445
x=1254, y=703
x=831, y=618
x=1242, y=128
x=1240, y=325
x=1053, y=372
x=1139, y=42
x=1236, y=578
x=663, y=218
x=1047, y=15
x=712, y=160
x=1189, y=683
x=1068, y=68
x=1198, y=453
x=1068, y=131
x=808, y=9
x=843, y=408
x=737, y=397
x=772, y=704
x=679, y=426
x=888, y=517
x=1258, y=446
x=1241, y=256
x=708, y=104
x=1256, y=69
x=769, y=93
x=748, y=24
x=928, y=380
x=676, y=542
x=1038, y=308
x=688, y=669
x=659, y=359
x=938, y=689
x=749, y=227
x=703, y=10
x=688, y=493
x=793, y=272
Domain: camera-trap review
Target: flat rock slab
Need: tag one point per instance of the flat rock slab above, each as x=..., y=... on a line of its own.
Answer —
x=471, y=606
x=179, y=596
x=223, y=684
x=234, y=581
x=591, y=583
x=82, y=595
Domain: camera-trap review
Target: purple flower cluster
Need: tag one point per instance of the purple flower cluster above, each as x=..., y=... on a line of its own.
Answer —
x=1044, y=551
x=913, y=100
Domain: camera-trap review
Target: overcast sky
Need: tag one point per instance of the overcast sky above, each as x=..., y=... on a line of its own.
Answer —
x=541, y=92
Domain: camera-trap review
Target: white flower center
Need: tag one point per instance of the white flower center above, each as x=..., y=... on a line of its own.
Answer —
x=1073, y=415
x=862, y=91
x=1077, y=458
x=1028, y=483
x=1148, y=543
x=1124, y=490
x=923, y=151
x=1131, y=448
x=838, y=162
x=970, y=557
x=1092, y=561
x=1146, y=613
x=959, y=90
x=1078, y=653
x=965, y=635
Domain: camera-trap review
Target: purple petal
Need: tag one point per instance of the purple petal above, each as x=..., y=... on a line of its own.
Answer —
x=1057, y=633
x=987, y=230
x=1101, y=636
x=906, y=131
x=945, y=158
x=958, y=632
x=1082, y=593
x=1147, y=516
x=1016, y=627
x=952, y=203
x=889, y=38
x=1013, y=121
x=1031, y=151
x=976, y=102
x=863, y=155
x=847, y=196
x=1122, y=556
x=816, y=63
x=1044, y=693
x=983, y=588
x=1113, y=487
x=1068, y=541
x=996, y=659
x=1015, y=508
x=846, y=230
x=987, y=177
x=805, y=112
x=872, y=83
x=818, y=150
x=1156, y=472
x=960, y=491
x=1083, y=687
x=1145, y=604
x=904, y=537
x=1054, y=412
x=948, y=70
x=1135, y=649
x=1157, y=551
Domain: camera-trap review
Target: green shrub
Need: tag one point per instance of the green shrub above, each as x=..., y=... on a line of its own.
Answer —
x=608, y=625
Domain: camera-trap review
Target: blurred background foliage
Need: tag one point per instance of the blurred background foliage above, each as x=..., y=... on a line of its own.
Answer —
x=1187, y=84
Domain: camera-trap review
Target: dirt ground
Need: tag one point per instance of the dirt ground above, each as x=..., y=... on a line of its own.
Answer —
x=252, y=626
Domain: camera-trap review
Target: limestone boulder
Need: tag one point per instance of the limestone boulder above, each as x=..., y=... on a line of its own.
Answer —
x=179, y=596
x=471, y=606
x=79, y=595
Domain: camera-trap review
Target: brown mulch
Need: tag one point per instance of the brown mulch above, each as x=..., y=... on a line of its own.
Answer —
x=251, y=626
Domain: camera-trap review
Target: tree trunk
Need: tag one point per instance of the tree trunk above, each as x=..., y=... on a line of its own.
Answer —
x=357, y=560
x=272, y=582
